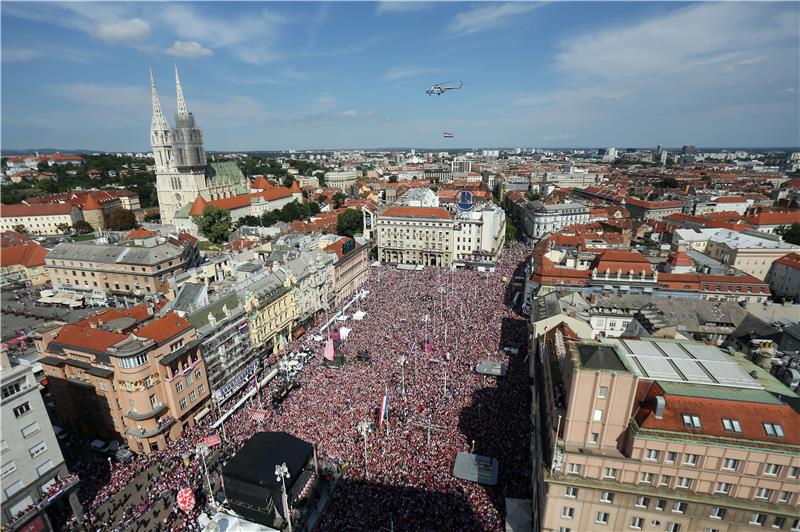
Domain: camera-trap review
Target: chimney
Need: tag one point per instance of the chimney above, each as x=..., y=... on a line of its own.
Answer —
x=661, y=403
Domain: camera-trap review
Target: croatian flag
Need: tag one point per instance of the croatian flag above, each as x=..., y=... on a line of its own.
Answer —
x=328, y=353
x=447, y=135
x=212, y=440
x=384, y=412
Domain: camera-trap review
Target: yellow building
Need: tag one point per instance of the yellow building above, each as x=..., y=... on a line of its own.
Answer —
x=23, y=263
x=272, y=309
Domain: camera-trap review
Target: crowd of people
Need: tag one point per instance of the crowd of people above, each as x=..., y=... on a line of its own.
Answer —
x=425, y=331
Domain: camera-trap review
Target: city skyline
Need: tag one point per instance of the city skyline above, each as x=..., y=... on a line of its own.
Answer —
x=274, y=76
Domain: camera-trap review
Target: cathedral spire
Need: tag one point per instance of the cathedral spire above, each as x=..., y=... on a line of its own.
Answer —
x=181, y=102
x=159, y=122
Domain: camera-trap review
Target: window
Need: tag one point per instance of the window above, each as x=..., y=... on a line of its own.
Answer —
x=601, y=518
x=598, y=415
x=33, y=428
x=795, y=525
x=763, y=493
x=722, y=487
x=691, y=459
x=774, y=429
x=201, y=389
x=732, y=425
x=37, y=449
x=609, y=472
x=642, y=502
x=671, y=456
x=594, y=437
x=179, y=387
x=652, y=454
x=133, y=362
x=8, y=468
x=661, y=504
x=11, y=489
x=637, y=522
x=717, y=513
x=567, y=512
x=22, y=409
x=772, y=470
x=679, y=507
x=571, y=492
x=182, y=404
x=192, y=396
x=646, y=478
x=45, y=467
x=730, y=464
x=673, y=527
x=758, y=519
x=666, y=480
x=607, y=496
x=189, y=380
x=778, y=522
x=784, y=496
x=11, y=389
x=574, y=469
x=684, y=483
x=691, y=421
x=602, y=392
x=564, y=529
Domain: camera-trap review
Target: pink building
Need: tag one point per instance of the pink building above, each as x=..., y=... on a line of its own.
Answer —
x=662, y=435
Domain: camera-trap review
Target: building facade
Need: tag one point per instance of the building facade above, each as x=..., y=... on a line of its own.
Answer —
x=39, y=219
x=343, y=179
x=271, y=308
x=662, y=435
x=350, y=267
x=538, y=219
x=784, y=277
x=113, y=380
x=23, y=263
x=34, y=475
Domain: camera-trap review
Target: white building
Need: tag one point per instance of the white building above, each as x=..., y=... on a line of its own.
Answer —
x=784, y=277
x=343, y=179
x=538, y=219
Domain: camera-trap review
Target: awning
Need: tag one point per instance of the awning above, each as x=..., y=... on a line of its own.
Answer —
x=201, y=414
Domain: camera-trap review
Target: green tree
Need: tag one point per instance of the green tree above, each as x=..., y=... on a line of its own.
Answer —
x=121, y=220
x=533, y=196
x=789, y=233
x=82, y=227
x=313, y=208
x=249, y=220
x=511, y=231
x=63, y=228
x=215, y=224
x=392, y=179
x=338, y=199
x=349, y=222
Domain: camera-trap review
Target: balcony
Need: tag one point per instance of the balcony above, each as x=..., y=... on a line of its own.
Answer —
x=141, y=433
x=157, y=410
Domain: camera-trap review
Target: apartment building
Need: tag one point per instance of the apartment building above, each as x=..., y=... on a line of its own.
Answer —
x=343, y=180
x=23, y=263
x=126, y=270
x=271, y=307
x=652, y=210
x=749, y=253
x=38, y=218
x=350, y=268
x=661, y=435
x=125, y=375
x=784, y=277
x=34, y=475
x=314, y=282
x=538, y=220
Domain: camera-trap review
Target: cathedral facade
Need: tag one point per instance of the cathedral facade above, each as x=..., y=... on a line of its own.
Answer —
x=182, y=171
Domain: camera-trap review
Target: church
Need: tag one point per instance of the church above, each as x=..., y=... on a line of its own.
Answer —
x=182, y=171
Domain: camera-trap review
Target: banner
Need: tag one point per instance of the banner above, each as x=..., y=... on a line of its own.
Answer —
x=328, y=353
x=212, y=440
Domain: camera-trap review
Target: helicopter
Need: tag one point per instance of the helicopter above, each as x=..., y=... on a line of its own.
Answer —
x=440, y=88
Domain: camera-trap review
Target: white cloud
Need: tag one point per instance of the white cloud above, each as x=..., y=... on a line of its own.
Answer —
x=349, y=114
x=323, y=104
x=405, y=71
x=122, y=30
x=19, y=54
x=189, y=49
x=488, y=16
x=401, y=7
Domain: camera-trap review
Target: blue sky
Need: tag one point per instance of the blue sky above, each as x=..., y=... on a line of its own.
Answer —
x=338, y=75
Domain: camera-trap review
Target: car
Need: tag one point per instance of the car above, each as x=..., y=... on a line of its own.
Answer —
x=99, y=446
x=124, y=454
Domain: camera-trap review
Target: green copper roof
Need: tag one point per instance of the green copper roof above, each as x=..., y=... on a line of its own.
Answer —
x=224, y=171
x=183, y=212
x=241, y=189
x=199, y=319
x=767, y=380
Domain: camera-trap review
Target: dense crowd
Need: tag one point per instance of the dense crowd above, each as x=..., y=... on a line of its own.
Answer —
x=425, y=331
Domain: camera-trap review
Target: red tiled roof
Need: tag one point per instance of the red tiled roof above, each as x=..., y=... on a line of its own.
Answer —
x=163, y=329
x=140, y=313
x=731, y=199
x=85, y=337
x=679, y=258
x=417, y=212
x=774, y=218
x=295, y=188
x=751, y=417
x=13, y=238
x=198, y=206
x=337, y=246
x=141, y=232
x=260, y=183
x=624, y=261
x=30, y=254
x=653, y=204
x=21, y=210
x=91, y=204
x=792, y=260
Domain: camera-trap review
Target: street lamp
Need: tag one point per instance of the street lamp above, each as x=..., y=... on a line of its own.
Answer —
x=364, y=430
x=282, y=473
x=203, y=450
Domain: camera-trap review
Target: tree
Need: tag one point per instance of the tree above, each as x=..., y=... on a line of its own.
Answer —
x=511, y=231
x=288, y=180
x=215, y=224
x=790, y=233
x=249, y=220
x=121, y=220
x=533, y=196
x=338, y=199
x=82, y=227
x=313, y=208
x=349, y=222
x=63, y=228
x=392, y=179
